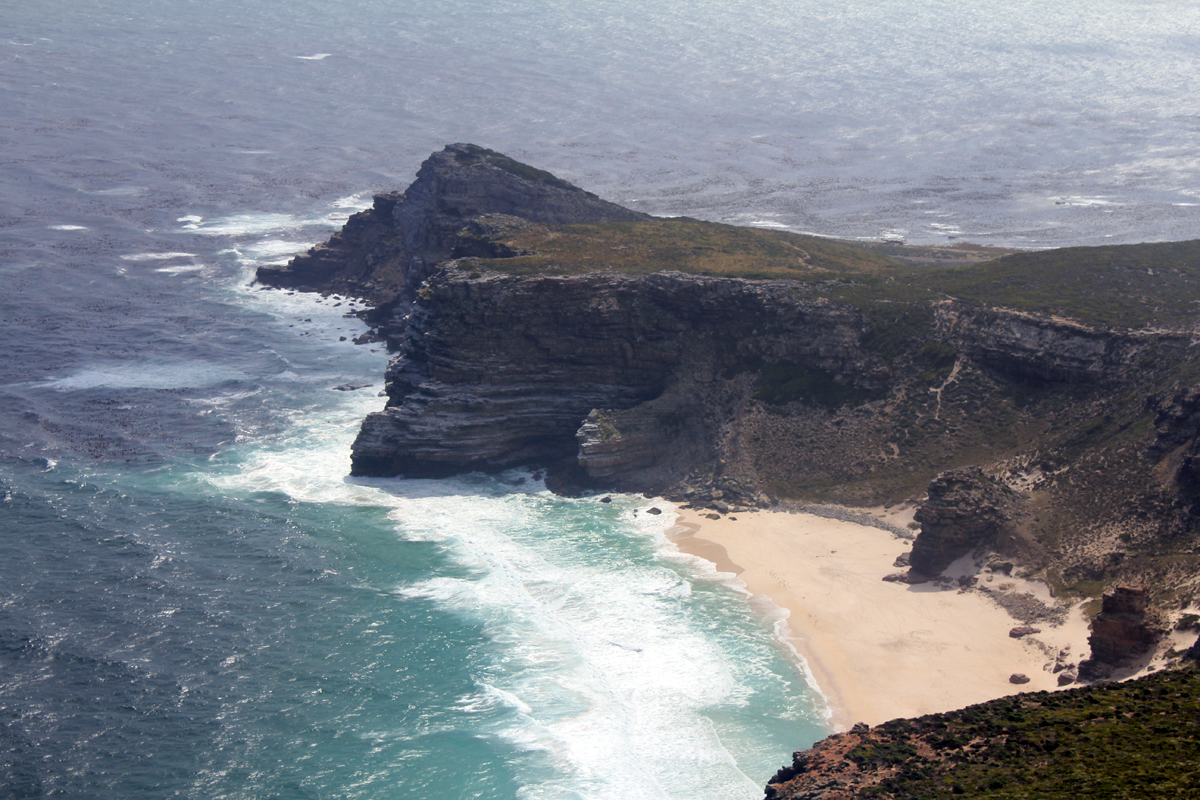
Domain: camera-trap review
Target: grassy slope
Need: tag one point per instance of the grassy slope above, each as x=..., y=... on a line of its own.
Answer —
x=686, y=245
x=1116, y=286
x=1129, y=286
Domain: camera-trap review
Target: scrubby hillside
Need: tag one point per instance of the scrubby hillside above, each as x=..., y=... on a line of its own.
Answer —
x=1139, y=739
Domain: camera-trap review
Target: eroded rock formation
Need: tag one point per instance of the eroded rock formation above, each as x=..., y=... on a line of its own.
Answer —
x=1124, y=629
x=965, y=510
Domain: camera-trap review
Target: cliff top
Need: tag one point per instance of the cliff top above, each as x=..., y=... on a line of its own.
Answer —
x=1118, y=286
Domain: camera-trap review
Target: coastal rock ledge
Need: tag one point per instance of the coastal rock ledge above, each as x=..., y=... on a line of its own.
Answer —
x=500, y=370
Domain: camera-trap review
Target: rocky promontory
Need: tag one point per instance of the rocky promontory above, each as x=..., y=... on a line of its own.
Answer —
x=1041, y=407
x=461, y=195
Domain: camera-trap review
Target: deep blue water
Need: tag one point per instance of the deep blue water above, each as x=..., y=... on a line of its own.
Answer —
x=195, y=601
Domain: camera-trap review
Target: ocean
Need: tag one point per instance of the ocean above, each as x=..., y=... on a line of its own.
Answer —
x=196, y=600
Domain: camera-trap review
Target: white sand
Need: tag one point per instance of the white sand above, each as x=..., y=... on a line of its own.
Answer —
x=878, y=650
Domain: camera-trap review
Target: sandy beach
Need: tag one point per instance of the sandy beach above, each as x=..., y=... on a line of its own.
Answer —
x=879, y=650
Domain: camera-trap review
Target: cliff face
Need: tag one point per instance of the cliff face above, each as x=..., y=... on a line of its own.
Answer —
x=498, y=370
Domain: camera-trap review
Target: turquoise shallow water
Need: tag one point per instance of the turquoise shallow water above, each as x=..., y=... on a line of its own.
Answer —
x=196, y=602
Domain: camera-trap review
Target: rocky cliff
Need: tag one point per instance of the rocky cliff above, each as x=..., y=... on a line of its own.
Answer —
x=384, y=253
x=534, y=323
x=497, y=370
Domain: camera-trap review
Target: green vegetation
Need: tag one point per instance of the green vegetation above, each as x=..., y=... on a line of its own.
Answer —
x=686, y=245
x=1139, y=739
x=1119, y=285
x=1114, y=286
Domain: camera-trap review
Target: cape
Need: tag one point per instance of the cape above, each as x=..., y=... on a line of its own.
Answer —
x=1041, y=407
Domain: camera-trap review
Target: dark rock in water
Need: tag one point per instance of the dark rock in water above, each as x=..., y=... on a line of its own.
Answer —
x=461, y=199
x=654, y=510
x=605, y=499
x=350, y=387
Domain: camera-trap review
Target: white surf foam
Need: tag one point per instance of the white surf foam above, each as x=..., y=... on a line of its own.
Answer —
x=181, y=269
x=146, y=375
x=119, y=191
x=155, y=256
x=614, y=672
x=247, y=224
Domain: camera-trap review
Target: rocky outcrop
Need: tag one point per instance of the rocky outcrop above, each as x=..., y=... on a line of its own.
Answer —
x=965, y=510
x=1033, y=347
x=364, y=259
x=386, y=252
x=1123, y=630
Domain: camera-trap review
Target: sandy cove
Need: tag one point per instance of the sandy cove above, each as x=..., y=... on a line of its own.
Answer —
x=878, y=650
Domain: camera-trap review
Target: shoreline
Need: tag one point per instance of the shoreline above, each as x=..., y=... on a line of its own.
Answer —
x=879, y=650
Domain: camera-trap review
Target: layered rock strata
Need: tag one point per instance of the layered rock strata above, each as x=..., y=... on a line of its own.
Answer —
x=1124, y=629
x=618, y=373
